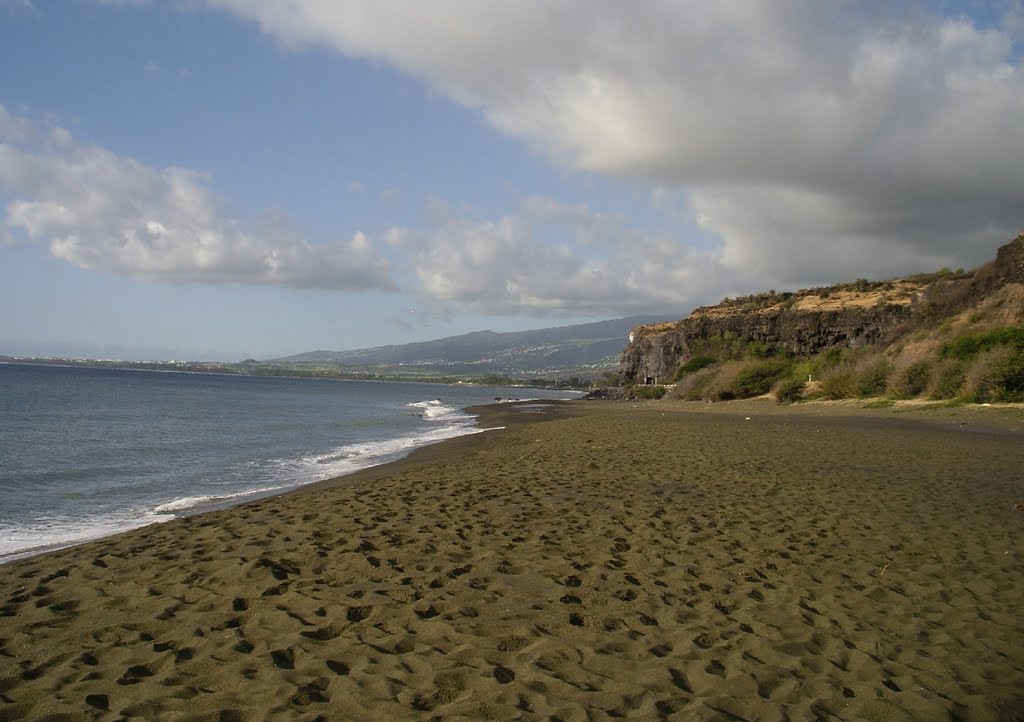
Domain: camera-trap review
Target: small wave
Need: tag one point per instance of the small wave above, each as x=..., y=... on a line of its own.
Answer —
x=436, y=410
x=201, y=502
x=330, y=457
x=361, y=455
x=187, y=502
x=263, y=477
x=287, y=473
x=41, y=534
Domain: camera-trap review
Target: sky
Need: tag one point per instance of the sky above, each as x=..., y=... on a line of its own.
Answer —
x=221, y=179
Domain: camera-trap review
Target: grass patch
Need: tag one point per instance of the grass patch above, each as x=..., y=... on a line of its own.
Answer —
x=950, y=404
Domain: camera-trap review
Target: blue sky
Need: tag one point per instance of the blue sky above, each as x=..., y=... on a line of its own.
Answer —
x=220, y=178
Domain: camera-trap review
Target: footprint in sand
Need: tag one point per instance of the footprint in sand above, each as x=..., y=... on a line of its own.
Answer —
x=358, y=614
x=283, y=658
x=504, y=675
x=99, y=701
x=135, y=674
x=428, y=613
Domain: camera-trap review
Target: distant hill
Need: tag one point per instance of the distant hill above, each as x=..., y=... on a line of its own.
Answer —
x=584, y=350
x=955, y=335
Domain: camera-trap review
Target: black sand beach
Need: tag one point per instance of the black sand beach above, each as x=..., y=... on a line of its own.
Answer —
x=594, y=561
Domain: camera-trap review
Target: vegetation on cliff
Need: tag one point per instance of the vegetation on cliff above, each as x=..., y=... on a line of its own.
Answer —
x=947, y=335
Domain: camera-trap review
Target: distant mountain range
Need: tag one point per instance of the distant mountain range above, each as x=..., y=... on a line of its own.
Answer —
x=585, y=350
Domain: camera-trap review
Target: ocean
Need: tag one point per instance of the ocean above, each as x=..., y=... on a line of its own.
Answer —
x=86, y=453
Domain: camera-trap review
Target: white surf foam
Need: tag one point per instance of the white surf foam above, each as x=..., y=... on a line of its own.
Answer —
x=265, y=477
x=435, y=410
x=56, y=532
x=282, y=474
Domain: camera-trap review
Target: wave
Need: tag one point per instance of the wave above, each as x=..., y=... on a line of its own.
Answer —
x=43, y=534
x=192, y=503
x=246, y=481
x=281, y=474
x=435, y=410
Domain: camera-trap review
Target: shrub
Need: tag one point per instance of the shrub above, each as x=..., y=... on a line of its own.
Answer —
x=755, y=379
x=870, y=379
x=946, y=381
x=911, y=381
x=790, y=389
x=719, y=384
x=981, y=377
x=1013, y=378
x=839, y=382
x=988, y=366
x=650, y=392
x=758, y=349
x=695, y=363
x=968, y=346
x=833, y=356
x=694, y=386
x=995, y=375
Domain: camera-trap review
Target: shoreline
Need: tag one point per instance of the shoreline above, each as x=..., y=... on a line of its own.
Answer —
x=597, y=559
x=367, y=454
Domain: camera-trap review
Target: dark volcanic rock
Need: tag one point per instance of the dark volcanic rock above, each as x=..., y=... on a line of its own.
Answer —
x=656, y=352
x=811, y=321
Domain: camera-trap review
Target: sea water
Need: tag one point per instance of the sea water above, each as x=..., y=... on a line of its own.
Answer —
x=85, y=453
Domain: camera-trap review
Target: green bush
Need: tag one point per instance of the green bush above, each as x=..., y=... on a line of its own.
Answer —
x=912, y=381
x=694, y=387
x=839, y=383
x=696, y=363
x=947, y=380
x=995, y=375
x=870, y=379
x=833, y=356
x=757, y=378
x=984, y=366
x=650, y=392
x=758, y=349
x=790, y=389
x=968, y=346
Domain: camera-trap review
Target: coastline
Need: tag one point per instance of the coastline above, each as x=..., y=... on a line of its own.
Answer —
x=90, y=453
x=598, y=558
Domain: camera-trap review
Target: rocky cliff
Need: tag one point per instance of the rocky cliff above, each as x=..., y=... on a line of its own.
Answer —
x=811, y=321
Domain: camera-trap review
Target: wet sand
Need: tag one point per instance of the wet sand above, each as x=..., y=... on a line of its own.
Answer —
x=598, y=560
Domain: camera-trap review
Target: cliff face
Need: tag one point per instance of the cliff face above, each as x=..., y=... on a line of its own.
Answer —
x=812, y=321
x=655, y=352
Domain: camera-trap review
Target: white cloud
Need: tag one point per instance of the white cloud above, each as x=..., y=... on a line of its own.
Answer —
x=813, y=137
x=13, y=5
x=106, y=212
x=558, y=260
